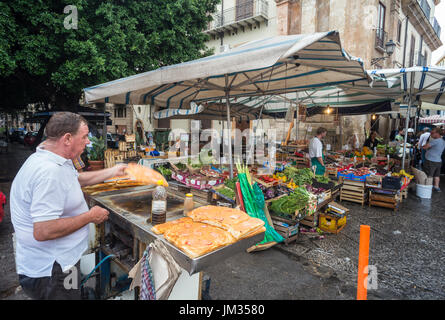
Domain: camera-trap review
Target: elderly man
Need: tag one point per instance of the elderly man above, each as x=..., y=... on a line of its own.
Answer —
x=433, y=156
x=48, y=210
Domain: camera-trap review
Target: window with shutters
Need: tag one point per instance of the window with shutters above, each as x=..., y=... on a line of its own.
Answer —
x=399, y=31
x=244, y=9
x=412, y=50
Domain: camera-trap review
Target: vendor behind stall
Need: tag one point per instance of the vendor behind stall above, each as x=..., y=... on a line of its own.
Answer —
x=316, y=151
x=371, y=142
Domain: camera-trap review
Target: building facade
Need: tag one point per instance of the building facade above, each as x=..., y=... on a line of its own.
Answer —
x=365, y=27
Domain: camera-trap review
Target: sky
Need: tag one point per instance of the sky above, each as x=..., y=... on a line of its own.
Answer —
x=440, y=16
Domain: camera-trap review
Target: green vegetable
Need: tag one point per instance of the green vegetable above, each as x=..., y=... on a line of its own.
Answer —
x=229, y=193
x=180, y=166
x=322, y=179
x=231, y=183
x=164, y=171
x=295, y=201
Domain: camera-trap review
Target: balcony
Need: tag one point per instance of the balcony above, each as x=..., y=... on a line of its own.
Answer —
x=436, y=27
x=381, y=37
x=244, y=15
x=425, y=8
x=419, y=14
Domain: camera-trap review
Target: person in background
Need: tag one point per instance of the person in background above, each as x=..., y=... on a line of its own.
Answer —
x=78, y=164
x=400, y=136
x=433, y=156
x=316, y=151
x=371, y=142
x=422, y=141
x=411, y=137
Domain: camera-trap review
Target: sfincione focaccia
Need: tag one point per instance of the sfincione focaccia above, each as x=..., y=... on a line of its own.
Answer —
x=197, y=239
x=235, y=221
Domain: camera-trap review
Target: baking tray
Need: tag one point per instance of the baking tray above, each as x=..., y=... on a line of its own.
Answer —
x=132, y=219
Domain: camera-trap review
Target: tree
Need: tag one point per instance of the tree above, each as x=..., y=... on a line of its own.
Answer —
x=42, y=61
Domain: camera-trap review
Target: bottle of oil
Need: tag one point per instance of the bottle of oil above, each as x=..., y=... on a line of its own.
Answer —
x=159, y=204
x=188, y=203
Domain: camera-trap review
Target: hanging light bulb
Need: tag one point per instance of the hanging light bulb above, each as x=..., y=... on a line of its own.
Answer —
x=328, y=110
x=374, y=117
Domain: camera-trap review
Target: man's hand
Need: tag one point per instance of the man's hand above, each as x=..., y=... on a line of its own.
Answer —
x=119, y=170
x=98, y=214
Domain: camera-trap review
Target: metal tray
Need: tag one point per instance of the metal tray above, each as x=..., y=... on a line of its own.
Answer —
x=136, y=224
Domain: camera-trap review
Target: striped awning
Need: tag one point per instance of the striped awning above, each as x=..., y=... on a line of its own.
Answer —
x=213, y=111
x=432, y=119
x=428, y=83
x=265, y=67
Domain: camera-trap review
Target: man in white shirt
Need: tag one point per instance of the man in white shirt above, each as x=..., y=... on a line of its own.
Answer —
x=316, y=151
x=422, y=142
x=48, y=210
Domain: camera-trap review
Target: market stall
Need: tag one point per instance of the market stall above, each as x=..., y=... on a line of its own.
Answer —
x=129, y=231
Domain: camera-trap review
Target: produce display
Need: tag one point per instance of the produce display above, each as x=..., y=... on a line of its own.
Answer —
x=288, y=205
x=227, y=192
x=300, y=177
x=167, y=173
x=231, y=183
x=322, y=179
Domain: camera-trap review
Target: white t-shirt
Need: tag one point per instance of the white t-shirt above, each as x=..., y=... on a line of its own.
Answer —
x=315, y=148
x=46, y=188
x=424, y=138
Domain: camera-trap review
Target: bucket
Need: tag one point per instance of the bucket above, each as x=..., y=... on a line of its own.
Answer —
x=424, y=191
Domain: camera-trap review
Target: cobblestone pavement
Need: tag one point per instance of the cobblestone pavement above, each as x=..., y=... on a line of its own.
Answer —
x=406, y=247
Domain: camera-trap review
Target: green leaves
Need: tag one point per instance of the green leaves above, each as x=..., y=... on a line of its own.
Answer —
x=97, y=151
x=114, y=39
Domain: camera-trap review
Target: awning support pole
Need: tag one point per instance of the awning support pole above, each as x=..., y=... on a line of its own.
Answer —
x=229, y=123
x=407, y=120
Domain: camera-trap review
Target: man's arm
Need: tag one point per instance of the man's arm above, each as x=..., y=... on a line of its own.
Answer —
x=320, y=159
x=58, y=228
x=89, y=178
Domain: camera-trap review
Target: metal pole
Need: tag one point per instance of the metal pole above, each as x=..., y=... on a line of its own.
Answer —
x=407, y=119
x=230, y=126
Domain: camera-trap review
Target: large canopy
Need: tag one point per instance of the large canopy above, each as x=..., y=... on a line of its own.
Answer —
x=265, y=67
x=346, y=102
x=212, y=111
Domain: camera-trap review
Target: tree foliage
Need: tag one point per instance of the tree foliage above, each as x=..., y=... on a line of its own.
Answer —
x=42, y=61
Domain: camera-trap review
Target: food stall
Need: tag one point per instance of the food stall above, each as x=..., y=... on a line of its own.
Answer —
x=128, y=231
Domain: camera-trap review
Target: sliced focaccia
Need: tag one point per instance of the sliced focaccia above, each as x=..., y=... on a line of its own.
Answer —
x=197, y=239
x=221, y=217
x=237, y=222
x=244, y=228
x=162, y=228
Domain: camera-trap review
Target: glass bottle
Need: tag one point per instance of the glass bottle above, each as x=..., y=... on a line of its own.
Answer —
x=188, y=203
x=159, y=204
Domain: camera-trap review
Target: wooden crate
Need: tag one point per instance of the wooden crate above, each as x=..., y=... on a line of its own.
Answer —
x=217, y=196
x=266, y=184
x=390, y=201
x=310, y=221
x=289, y=233
x=353, y=191
x=201, y=195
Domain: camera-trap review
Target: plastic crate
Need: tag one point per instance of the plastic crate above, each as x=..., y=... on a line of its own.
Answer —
x=330, y=223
